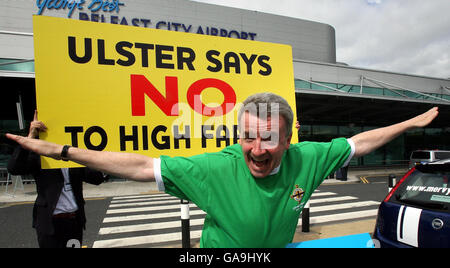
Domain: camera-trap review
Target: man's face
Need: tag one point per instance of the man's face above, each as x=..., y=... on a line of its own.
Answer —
x=263, y=142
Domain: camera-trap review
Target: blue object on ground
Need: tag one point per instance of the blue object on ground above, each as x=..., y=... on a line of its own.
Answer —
x=350, y=241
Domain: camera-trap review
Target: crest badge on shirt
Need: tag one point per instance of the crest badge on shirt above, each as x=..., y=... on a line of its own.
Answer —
x=297, y=195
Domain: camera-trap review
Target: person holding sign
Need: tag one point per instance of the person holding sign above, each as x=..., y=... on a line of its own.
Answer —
x=58, y=213
x=252, y=192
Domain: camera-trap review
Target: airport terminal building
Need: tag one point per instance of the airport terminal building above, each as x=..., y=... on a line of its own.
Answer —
x=333, y=99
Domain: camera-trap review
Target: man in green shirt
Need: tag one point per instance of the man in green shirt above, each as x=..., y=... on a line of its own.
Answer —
x=252, y=192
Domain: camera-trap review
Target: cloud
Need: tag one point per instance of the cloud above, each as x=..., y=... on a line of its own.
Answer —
x=373, y=2
x=411, y=39
x=392, y=35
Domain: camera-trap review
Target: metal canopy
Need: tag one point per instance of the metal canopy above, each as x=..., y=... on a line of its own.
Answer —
x=395, y=90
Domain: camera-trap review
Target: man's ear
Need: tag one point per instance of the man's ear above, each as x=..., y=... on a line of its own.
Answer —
x=288, y=141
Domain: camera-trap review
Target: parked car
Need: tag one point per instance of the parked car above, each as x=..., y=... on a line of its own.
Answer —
x=416, y=212
x=425, y=156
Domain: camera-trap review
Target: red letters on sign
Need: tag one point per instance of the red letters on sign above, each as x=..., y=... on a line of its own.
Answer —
x=140, y=87
x=194, y=91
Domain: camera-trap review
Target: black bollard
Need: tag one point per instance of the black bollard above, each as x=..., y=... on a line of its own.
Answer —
x=392, y=181
x=185, y=225
x=305, y=218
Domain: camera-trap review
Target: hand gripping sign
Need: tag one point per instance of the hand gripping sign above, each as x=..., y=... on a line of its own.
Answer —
x=121, y=88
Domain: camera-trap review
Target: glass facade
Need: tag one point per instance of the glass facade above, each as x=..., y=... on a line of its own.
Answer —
x=14, y=91
x=17, y=65
x=391, y=154
x=397, y=152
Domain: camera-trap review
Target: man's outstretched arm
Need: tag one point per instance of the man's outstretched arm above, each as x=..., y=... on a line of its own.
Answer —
x=367, y=142
x=125, y=165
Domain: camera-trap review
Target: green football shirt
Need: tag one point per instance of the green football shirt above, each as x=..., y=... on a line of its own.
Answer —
x=243, y=211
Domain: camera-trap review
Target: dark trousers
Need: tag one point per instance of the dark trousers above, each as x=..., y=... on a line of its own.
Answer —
x=68, y=233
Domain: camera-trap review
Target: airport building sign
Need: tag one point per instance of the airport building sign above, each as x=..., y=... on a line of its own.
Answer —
x=108, y=11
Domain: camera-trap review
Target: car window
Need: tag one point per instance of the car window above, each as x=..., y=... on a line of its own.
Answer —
x=425, y=190
x=442, y=155
x=420, y=155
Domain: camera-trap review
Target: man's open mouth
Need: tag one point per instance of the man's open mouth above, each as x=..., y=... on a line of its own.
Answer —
x=259, y=163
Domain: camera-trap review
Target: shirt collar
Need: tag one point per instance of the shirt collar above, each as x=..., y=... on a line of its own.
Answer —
x=275, y=170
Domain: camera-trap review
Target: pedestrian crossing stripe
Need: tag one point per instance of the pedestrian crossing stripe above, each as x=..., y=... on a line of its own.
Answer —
x=150, y=216
x=140, y=196
x=126, y=217
x=141, y=240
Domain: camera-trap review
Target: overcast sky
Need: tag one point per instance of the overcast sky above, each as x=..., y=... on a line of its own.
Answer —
x=407, y=36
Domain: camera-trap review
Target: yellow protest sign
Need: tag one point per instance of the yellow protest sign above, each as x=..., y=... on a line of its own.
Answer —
x=154, y=92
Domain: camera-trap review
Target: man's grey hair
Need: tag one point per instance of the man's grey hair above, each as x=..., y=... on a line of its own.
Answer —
x=264, y=105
